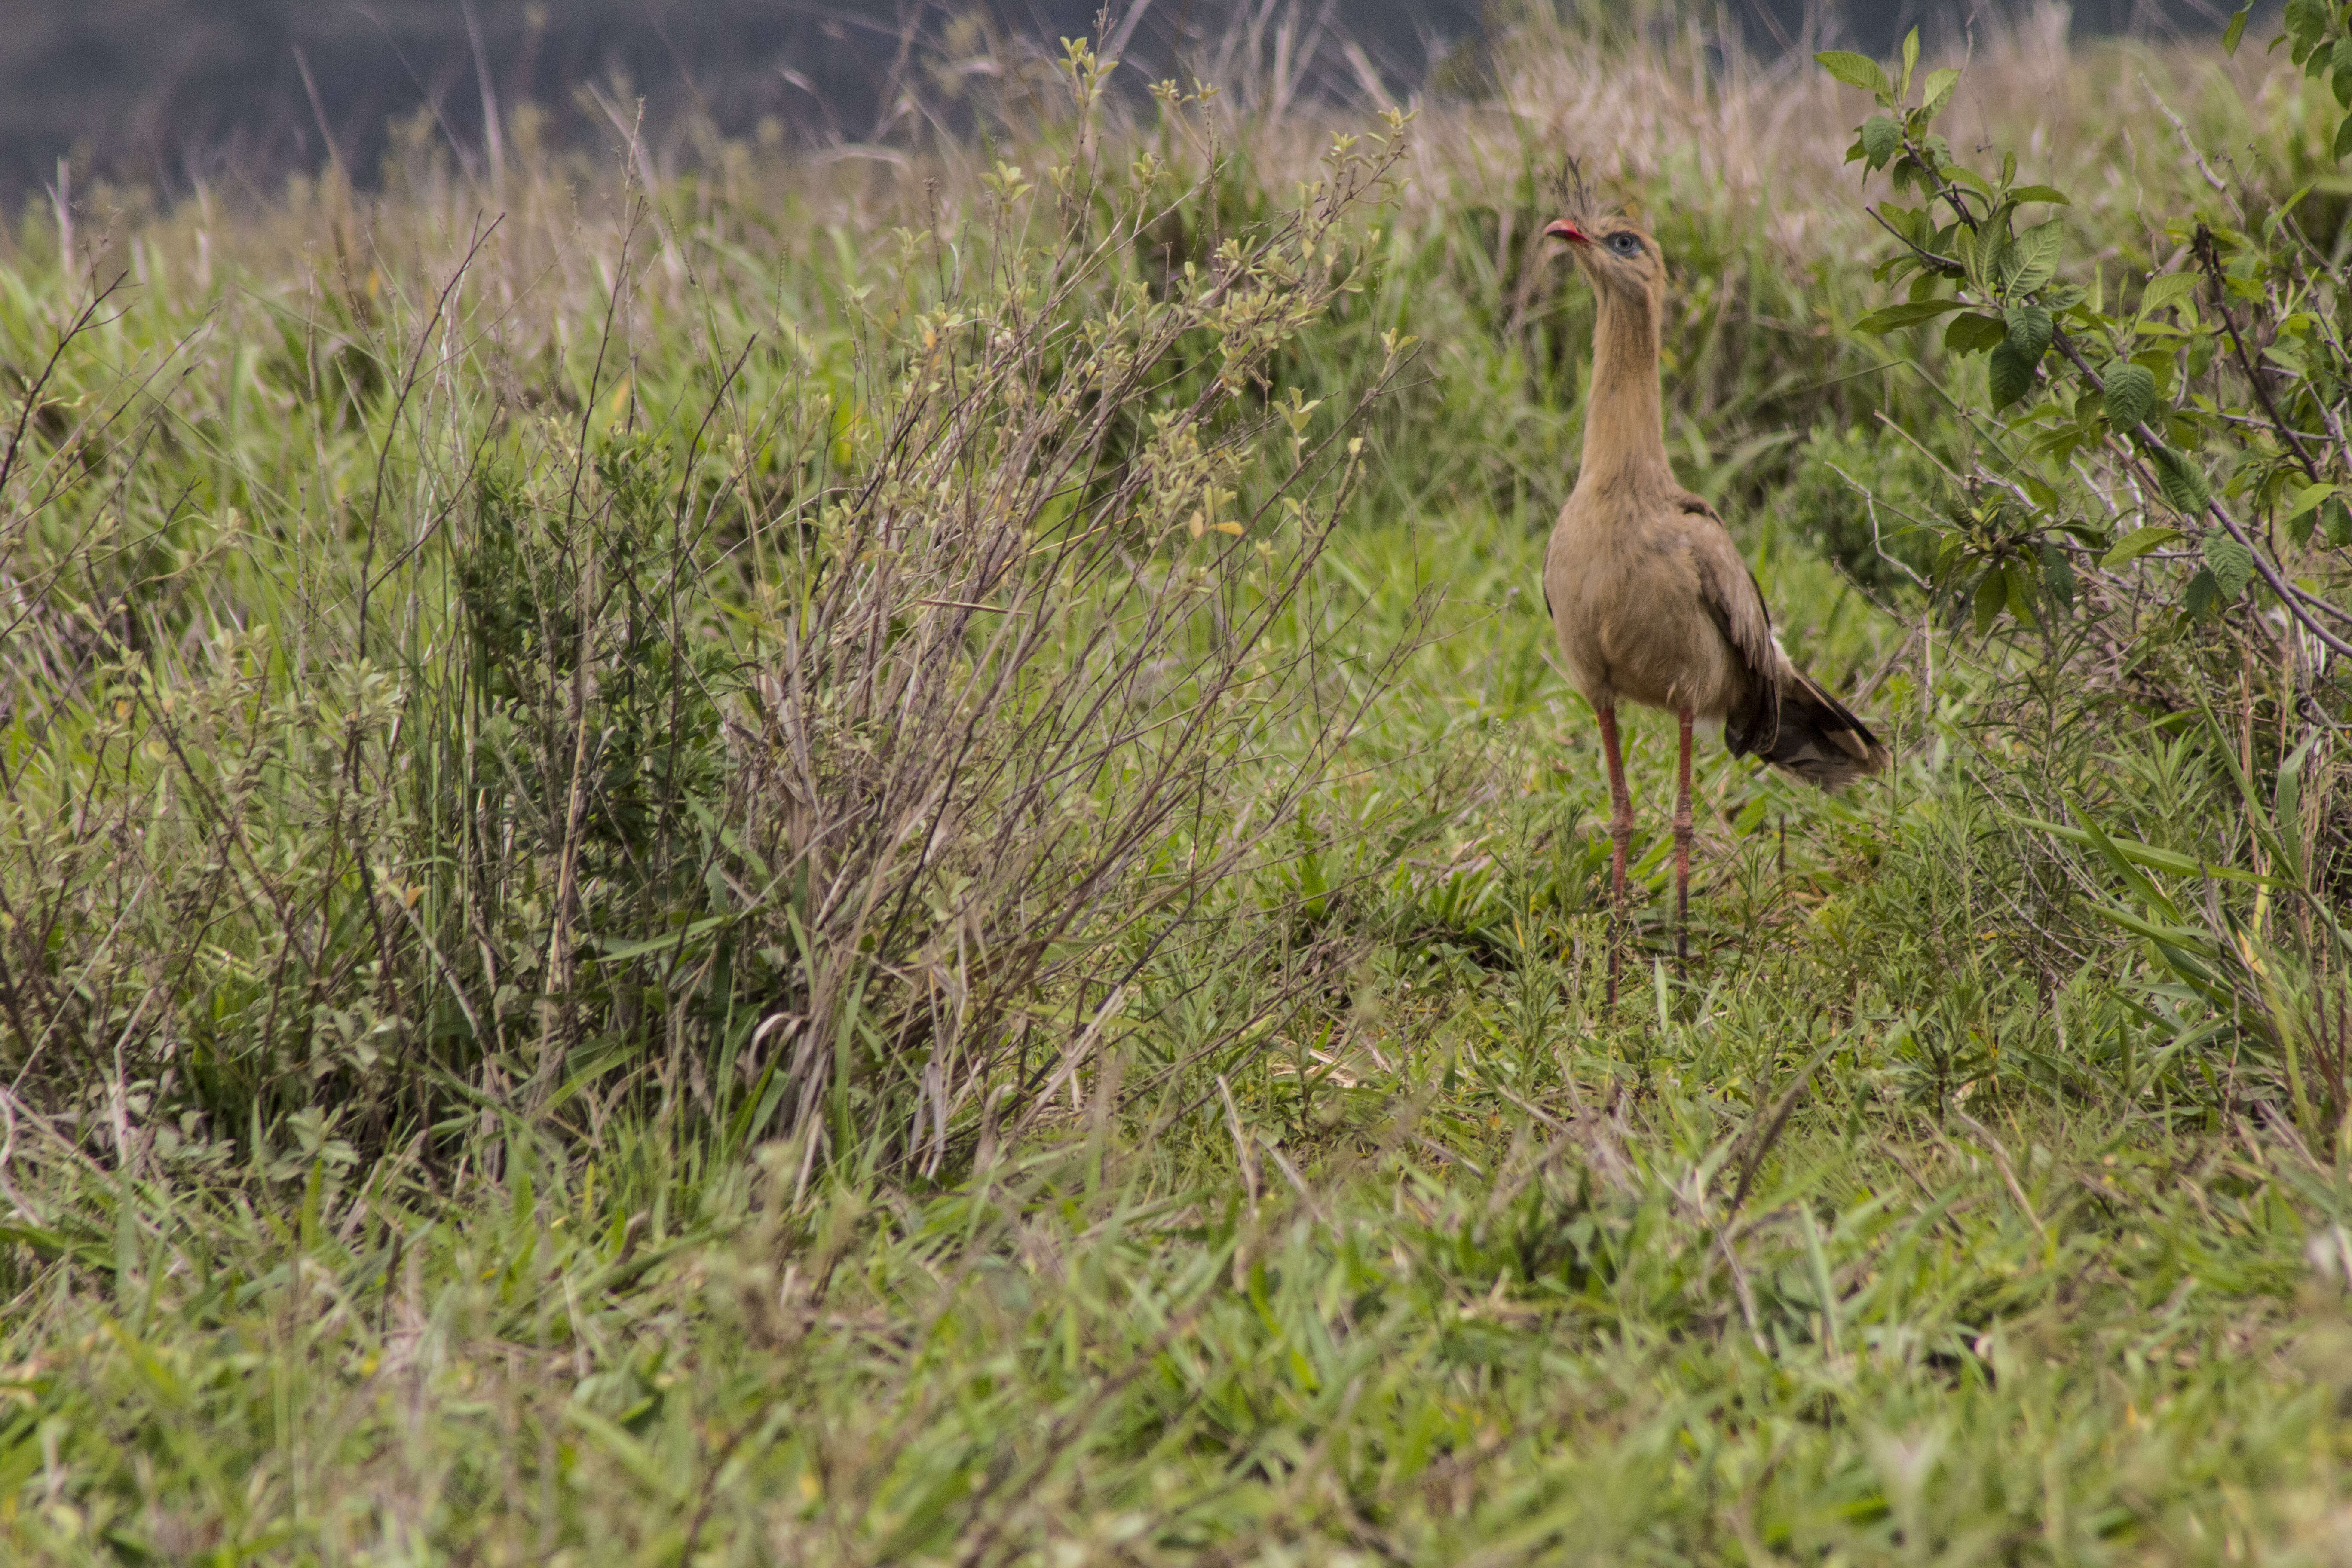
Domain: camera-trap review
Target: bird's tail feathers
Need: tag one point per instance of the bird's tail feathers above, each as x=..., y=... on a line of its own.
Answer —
x=1818, y=739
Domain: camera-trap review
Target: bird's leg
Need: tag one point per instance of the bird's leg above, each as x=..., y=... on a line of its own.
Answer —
x=1621, y=835
x=1683, y=843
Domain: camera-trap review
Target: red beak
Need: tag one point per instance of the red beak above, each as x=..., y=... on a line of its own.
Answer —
x=1567, y=230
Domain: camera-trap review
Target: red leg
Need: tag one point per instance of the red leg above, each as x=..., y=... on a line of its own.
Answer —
x=1620, y=835
x=1682, y=841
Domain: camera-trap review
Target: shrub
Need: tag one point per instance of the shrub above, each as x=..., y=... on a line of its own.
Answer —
x=829, y=749
x=2152, y=535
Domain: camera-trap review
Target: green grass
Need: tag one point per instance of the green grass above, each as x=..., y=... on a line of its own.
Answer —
x=1312, y=1211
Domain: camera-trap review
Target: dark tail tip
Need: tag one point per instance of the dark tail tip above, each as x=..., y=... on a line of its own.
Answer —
x=1821, y=741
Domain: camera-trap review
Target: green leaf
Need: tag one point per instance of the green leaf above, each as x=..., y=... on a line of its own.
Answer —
x=2030, y=330
x=2138, y=542
x=2236, y=30
x=1992, y=594
x=2231, y=564
x=1960, y=244
x=2343, y=138
x=2335, y=523
x=2307, y=498
x=1975, y=333
x=1890, y=318
x=1881, y=140
x=1936, y=90
x=2307, y=20
x=2021, y=593
x=2203, y=595
x=2169, y=288
x=2050, y=193
x=2132, y=852
x=2182, y=481
x=1854, y=70
x=2131, y=395
x=1910, y=57
x=2057, y=574
x=615, y=951
x=2011, y=375
x=2033, y=260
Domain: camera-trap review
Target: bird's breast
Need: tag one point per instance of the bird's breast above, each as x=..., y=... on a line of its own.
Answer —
x=1631, y=619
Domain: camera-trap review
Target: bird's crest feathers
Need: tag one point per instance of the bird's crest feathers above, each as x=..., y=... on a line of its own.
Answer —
x=1590, y=206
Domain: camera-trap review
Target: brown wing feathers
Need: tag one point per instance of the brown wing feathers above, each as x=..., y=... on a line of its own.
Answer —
x=1789, y=720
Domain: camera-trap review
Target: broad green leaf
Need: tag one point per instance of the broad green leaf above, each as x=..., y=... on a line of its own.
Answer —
x=2157, y=363
x=2138, y=542
x=2131, y=395
x=2182, y=481
x=1969, y=248
x=2169, y=288
x=2307, y=20
x=2021, y=593
x=1910, y=58
x=2050, y=193
x=1974, y=333
x=2203, y=595
x=1937, y=92
x=2335, y=523
x=2057, y=574
x=1854, y=70
x=2011, y=375
x=1889, y=317
x=2033, y=258
x=2308, y=497
x=2343, y=138
x=2236, y=30
x=1881, y=138
x=1991, y=594
x=2231, y=564
x=2030, y=330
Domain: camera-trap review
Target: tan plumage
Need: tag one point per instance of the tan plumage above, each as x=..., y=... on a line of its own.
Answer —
x=1648, y=595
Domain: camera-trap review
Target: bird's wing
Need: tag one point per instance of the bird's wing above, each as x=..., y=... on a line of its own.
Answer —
x=1737, y=606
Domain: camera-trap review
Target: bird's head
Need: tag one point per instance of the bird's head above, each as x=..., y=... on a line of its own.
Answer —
x=1619, y=257
x=1616, y=254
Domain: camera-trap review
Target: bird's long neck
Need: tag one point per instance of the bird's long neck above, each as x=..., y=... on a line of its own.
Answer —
x=1624, y=436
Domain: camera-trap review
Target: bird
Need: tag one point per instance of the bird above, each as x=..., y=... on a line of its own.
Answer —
x=1647, y=592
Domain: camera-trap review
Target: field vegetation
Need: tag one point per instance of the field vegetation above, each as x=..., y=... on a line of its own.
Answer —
x=875, y=858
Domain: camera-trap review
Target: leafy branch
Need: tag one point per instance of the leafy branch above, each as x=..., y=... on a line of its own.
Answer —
x=2135, y=364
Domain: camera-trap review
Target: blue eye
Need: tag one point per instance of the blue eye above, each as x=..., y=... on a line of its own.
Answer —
x=1624, y=243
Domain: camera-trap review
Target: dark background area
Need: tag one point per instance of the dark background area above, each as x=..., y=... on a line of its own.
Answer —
x=169, y=93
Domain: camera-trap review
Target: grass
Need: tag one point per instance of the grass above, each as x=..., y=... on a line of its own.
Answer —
x=451, y=1120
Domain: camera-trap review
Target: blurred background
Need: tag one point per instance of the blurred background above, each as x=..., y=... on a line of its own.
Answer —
x=170, y=95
